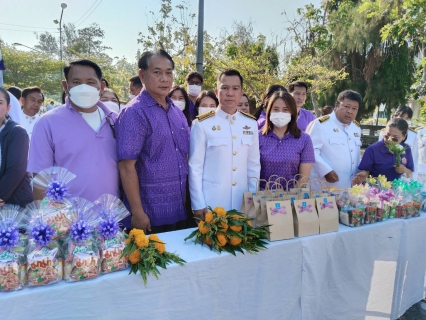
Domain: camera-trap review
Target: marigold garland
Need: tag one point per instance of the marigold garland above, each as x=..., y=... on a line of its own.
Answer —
x=146, y=254
x=229, y=231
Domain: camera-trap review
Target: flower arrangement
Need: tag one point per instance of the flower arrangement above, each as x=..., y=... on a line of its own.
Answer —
x=147, y=253
x=229, y=231
x=397, y=150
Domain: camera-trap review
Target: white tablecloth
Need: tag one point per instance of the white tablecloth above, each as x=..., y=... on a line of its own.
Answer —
x=370, y=272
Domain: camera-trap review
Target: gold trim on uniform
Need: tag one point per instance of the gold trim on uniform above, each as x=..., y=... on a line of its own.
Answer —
x=323, y=119
x=206, y=115
x=357, y=123
x=248, y=115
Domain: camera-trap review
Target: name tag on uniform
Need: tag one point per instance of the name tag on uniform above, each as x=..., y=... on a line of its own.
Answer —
x=356, y=134
x=248, y=132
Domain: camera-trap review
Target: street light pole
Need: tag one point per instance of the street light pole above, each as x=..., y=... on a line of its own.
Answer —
x=63, y=6
x=23, y=45
x=200, y=36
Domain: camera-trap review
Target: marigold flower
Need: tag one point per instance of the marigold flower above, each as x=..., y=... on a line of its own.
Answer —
x=249, y=223
x=208, y=241
x=154, y=237
x=221, y=239
x=236, y=228
x=141, y=241
x=220, y=211
x=235, y=241
x=135, y=257
x=203, y=229
x=235, y=217
x=209, y=217
x=127, y=241
x=135, y=233
x=223, y=226
x=161, y=247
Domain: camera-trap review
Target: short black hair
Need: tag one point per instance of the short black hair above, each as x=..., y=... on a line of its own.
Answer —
x=294, y=84
x=136, y=81
x=351, y=95
x=230, y=72
x=400, y=124
x=194, y=74
x=16, y=91
x=6, y=95
x=83, y=62
x=143, y=60
x=106, y=82
x=402, y=110
x=29, y=90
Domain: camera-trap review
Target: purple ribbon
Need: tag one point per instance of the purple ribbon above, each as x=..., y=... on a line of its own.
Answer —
x=42, y=233
x=327, y=205
x=274, y=211
x=307, y=208
x=249, y=199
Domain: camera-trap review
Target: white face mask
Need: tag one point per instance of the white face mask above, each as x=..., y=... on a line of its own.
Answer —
x=84, y=96
x=194, y=90
x=280, y=119
x=131, y=96
x=180, y=104
x=111, y=105
x=202, y=110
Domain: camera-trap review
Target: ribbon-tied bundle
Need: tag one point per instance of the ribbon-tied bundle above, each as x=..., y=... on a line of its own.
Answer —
x=111, y=212
x=54, y=181
x=327, y=205
x=275, y=211
x=307, y=208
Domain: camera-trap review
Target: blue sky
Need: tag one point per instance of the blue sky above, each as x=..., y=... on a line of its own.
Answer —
x=123, y=20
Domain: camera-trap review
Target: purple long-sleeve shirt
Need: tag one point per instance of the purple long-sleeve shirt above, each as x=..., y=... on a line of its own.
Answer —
x=158, y=140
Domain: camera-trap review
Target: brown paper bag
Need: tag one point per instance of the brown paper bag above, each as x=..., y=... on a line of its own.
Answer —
x=247, y=206
x=280, y=218
x=328, y=214
x=256, y=212
x=306, y=220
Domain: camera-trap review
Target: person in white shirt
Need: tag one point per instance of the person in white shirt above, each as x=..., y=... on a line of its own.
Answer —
x=337, y=142
x=223, y=150
x=32, y=99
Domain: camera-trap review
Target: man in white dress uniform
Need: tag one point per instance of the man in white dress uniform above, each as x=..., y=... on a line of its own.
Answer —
x=406, y=113
x=337, y=142
x=223, y=150
x=31, y=100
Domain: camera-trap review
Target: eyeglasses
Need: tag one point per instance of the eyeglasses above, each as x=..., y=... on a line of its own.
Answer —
x=387, y=137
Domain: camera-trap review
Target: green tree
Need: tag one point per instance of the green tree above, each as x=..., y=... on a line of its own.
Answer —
x=24, y=69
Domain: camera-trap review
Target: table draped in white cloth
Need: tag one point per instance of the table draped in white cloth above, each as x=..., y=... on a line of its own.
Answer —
x=370, y=272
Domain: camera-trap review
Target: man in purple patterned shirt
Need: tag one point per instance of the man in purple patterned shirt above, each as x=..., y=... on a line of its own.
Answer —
x=152, y=148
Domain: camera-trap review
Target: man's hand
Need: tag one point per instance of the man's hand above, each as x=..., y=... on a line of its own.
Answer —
x=140, y=220
x=360, y=177
x=200, y=213
x=331, y=177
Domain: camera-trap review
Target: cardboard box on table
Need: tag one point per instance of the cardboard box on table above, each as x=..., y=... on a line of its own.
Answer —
x=305, y=218
x=280, y=219
x=328, y=214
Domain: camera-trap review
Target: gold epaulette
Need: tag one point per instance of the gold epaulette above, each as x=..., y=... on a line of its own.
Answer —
x=357, y=123
x=413, y=130
x=248, y=115
x=206, y=115
x=323, y=119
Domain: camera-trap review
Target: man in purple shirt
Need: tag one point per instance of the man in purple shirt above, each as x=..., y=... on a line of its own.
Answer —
x=299, y=90
x=152, y=149
x=78, y=136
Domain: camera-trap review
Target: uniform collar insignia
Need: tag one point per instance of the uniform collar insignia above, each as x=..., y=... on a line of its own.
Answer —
x=246, y=127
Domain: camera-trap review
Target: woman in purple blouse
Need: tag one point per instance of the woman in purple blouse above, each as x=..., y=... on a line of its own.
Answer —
x=284, y=149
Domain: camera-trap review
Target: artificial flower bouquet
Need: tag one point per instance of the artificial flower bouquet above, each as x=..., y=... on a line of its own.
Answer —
x=54, y=181
x=146, y=254
x=229, y=231
x=44, y=256
x=112, y=241
x=12, y=248
x=397, y=150
x=410, y=193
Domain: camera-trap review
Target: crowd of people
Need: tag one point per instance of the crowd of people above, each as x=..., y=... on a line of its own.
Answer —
x=172, y=151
